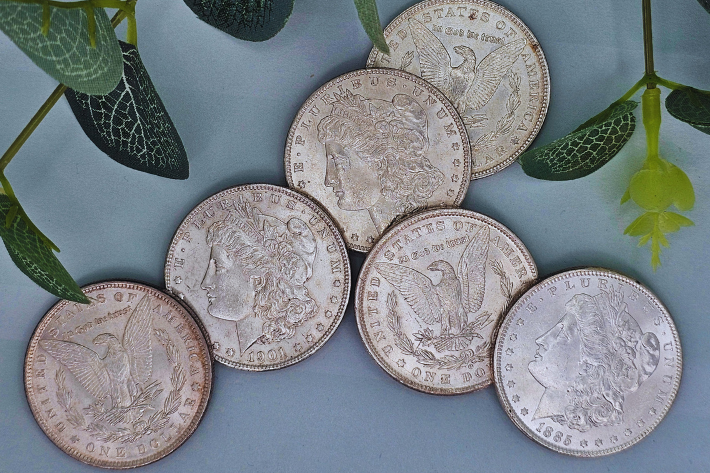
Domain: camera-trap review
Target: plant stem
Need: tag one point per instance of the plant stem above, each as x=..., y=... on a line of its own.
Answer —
x=648, y=41
x=43, y=110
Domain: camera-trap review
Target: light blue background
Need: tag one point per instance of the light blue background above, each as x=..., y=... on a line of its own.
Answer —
x=233, y=103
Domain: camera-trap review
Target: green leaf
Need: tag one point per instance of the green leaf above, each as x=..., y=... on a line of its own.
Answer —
x=678, y=220
x=705, y=4
x=131, y=124
x=642, y=225
x=252, y=20
x=66, y=53
x=367, y=11
x=683, y=193
x=584, y=151
x=656, y=189
x=35, y=259
x=691, y=106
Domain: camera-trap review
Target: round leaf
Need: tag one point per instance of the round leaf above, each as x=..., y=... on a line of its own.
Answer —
x=651, y=190
x=690, y=105
x=683, y=193
x=66, y=53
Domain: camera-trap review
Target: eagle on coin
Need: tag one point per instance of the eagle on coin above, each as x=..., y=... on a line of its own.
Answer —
x=455, y=296
x=468, y=85
x=125, y=367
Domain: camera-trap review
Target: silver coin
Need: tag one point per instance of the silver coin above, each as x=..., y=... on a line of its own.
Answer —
x=265, y=270
x=486, y=61
x=431, y=294
x=121, y=382
x=374, y=145
x=587, y=362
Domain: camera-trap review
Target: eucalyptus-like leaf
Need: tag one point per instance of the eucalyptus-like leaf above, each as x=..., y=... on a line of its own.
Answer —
x=370, y=19
x=252, y=20
x=66, y=52
x=130, y=124
x=34, y=258
x=691, y=106
x=585, y=150
x=705, y=4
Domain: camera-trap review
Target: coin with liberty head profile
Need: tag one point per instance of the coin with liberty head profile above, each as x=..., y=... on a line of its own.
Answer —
x=120, y=382
x=375, y=145
x=486, y=61
x=265, y=270
x=587, y=362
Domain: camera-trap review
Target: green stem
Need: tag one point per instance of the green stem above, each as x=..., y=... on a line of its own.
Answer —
x=651, y=112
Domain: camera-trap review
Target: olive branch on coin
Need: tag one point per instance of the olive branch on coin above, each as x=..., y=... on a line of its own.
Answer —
x=99, y=428
x=468, y=357
x=659, y=184
x=112, y=97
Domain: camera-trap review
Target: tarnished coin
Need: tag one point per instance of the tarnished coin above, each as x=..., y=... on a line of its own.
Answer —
x=265, y=270
x=121, y=382
x=431, y=294
x=486, y=61
x=374, y=145
x=587, y=362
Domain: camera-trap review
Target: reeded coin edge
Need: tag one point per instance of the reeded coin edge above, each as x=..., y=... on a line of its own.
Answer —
x=523, y=300
x=70, y=450
x=359, y=292
x=406, y=75
x=535, y=44
x=316, y=208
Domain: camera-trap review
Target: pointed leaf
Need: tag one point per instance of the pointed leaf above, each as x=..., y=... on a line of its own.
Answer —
x=131, y=124
x=370, y=19
x=582, y=152
x=35, y=259
x=252, y=20
x=642, y=225
x=679, y=220
x=66, y=53
x=691, y=106
x=626, y=197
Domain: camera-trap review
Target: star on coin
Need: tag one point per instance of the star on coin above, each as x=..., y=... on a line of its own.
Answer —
x=297, y=347
x=400, y=363
x=627, y=432
x=337, y=283
x=334, y=299
x=598, y=442
x=520, y=322
x=457, y=162
x=309, y=338
x=320, y=327
x=652, y=411
x=370, y=239
x=583, y=443
x=513, y=337
x=74, y=439
x=640, y=423
x=215, y=346
x=178, y=280
x=508, y=367
x=524, y=411
x=509, y=351
x=514, y=140
x=511, y=383
x=355, y=237
x=301, y=184
x=196, y=386
x=614, y=439
x=516, y=398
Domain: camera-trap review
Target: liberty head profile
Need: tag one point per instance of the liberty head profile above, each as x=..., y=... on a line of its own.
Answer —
x=376, y=156
x=257, y=272
x=590, y=360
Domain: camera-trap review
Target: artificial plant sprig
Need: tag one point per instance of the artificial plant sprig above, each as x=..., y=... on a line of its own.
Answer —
x=659, y=185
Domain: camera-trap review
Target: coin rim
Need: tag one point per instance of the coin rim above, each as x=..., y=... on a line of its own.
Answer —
x=359, y=293
x=463, y=189
x=57, y=439
x=316, y=208
x=535, y=45
x=561, y=276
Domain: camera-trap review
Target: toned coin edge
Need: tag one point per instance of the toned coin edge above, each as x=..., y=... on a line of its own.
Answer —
x=525, y=298
x=73, y=451
x=535, y=45
x=359, y=293
x=322, y=213
x=453, y=113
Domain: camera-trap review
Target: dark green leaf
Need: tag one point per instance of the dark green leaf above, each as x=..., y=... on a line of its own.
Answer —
x=705, y=4
x=691, y=106
x=252, y=20
x=66, y=53
x=584, y=151
x=367, y=11
x=131, y=124
x=35, y=259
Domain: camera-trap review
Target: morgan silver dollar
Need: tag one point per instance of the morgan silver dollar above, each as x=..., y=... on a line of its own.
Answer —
x=488, y=64
x=120, y=382
x=587, y=362
x=431, y=294
x=265, y=270
x=374, y=145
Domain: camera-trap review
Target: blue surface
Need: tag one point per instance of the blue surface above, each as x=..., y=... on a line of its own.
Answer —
x=233, y=103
